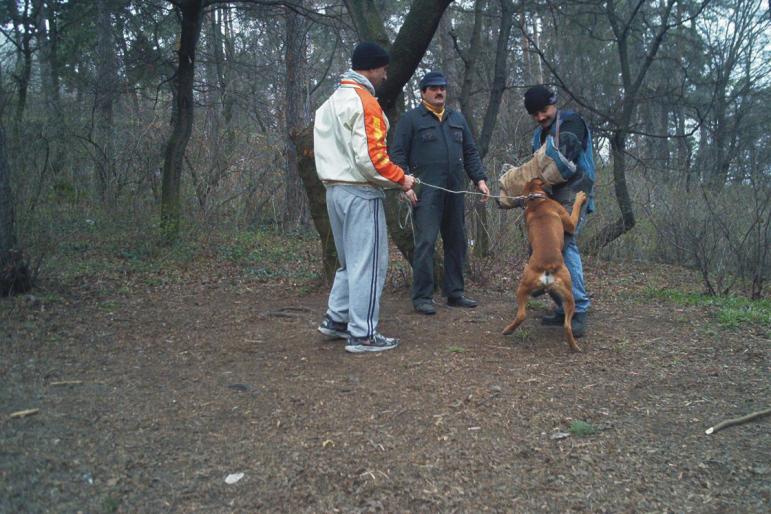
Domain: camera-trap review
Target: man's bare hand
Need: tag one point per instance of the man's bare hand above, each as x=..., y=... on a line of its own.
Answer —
x=482, y=186
x=408, y=182
x=411, y=197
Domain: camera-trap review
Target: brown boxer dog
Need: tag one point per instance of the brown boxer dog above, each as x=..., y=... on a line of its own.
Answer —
x=547, y=221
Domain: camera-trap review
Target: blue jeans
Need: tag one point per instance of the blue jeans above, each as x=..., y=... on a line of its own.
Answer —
x=572, y=258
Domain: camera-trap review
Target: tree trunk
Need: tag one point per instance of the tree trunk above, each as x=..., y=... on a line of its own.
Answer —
x=613, y=230
x=106, y=83
x=24, y=75
x=317, y=199
x=48, y=66
x=14, y=272
x=470, y=59
x=632, y=82
x=182, y=117
x=482, y=245
x=53, y=130
x=23, y=27
x=367, y=22
x=7, y=219
x=294, y=196
x=499, y=76
x=445, y=52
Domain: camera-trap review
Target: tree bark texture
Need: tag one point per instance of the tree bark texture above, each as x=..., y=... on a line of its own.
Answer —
x=14, y=272
x=24, y=30
x=499, y=76
x=7, y=219
x=48, y=65
x=294, y=99
x=106, y=89
x=446, y=63
x=470, y=58
x=626, y=222
x=182, y=117
x=317, y=199
x=367, y=22
x=482, y=246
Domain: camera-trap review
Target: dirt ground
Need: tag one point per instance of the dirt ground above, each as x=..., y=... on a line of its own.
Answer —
x=150, y=394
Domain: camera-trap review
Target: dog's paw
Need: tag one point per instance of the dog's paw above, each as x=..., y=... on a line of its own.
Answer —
x=580, y=197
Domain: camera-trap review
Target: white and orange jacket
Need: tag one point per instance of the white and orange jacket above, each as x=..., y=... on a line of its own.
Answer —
x=349, y=137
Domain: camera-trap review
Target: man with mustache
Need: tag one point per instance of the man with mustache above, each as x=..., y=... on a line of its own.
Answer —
x=568, y=131
x=434, y=143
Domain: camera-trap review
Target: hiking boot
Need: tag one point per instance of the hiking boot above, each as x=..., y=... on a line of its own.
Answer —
x=462, y=301
x=579, y=324
x=334, y=329
x=425, y=308
x=375, y=343
x=554, y=319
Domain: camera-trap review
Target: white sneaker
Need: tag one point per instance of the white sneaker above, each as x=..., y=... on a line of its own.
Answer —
x=375, y=343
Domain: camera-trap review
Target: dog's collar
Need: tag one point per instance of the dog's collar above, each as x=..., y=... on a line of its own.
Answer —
x=534, y=196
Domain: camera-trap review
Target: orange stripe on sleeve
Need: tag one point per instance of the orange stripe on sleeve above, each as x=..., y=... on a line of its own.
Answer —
x=377, y=131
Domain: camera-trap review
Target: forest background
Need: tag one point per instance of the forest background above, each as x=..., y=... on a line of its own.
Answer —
x=157, y=188
x=155, y=123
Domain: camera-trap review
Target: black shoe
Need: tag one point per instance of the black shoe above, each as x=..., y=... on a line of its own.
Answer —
x=334, y=329
x=425, y=308
x=579, y=324
x=462, y=301
x=554, y=319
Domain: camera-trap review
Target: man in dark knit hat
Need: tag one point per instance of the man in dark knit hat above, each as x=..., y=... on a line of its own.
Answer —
x=434, y=143
x=570, y=134
x=349, y=144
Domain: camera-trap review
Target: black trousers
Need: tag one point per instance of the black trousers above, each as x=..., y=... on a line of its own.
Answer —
x=438, y=212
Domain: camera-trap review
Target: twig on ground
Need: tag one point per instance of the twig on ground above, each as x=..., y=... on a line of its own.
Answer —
x=67, y=382
x=738, y=421
x=24, y=413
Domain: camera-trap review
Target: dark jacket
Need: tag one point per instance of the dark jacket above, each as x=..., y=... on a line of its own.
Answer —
x=437, y=153
x=575, y=143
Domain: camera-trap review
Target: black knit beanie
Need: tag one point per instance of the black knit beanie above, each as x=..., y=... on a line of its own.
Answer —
x=368, y=56
x=538, y=97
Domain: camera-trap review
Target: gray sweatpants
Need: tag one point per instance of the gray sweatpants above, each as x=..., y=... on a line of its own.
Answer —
x=359, y=228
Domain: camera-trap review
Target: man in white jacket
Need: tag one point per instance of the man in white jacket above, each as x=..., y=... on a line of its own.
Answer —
x=349, y=142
